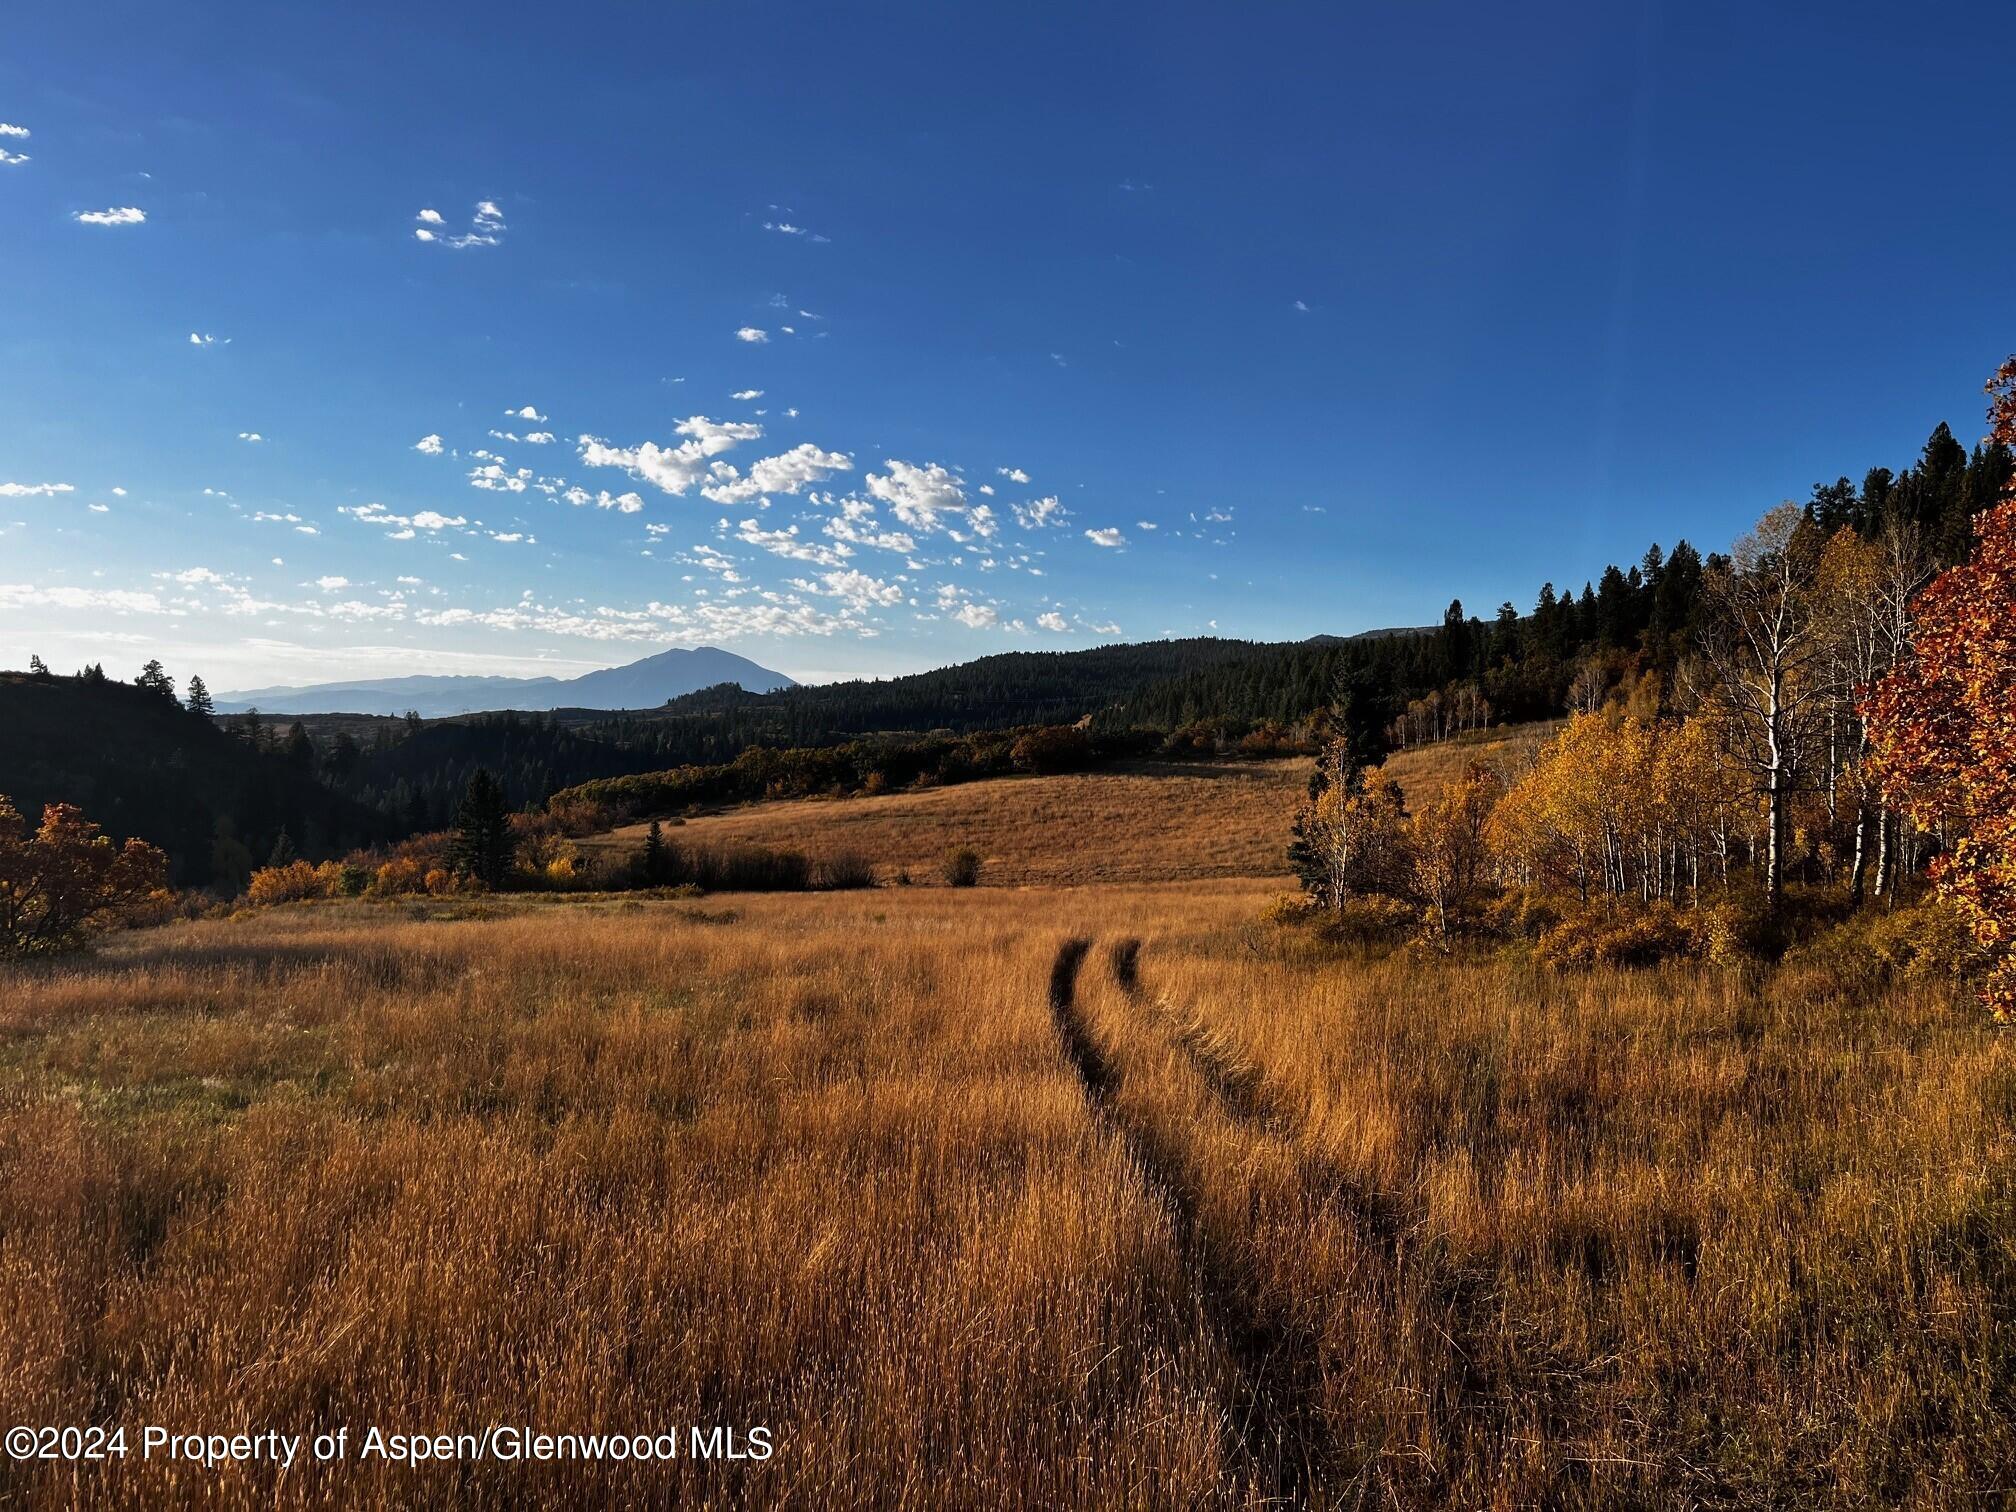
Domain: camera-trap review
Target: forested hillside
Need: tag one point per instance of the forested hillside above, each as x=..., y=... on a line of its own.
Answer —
x=142, y=765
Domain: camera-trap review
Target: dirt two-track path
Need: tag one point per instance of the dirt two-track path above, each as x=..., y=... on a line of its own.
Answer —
x=1276, y=1425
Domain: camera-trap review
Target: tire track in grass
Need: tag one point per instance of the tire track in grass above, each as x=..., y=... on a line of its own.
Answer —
x=1276, y=1421
x=1242, y=1089
x=1245, y=1094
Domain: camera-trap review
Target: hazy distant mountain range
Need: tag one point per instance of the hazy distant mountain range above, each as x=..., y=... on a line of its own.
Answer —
x=640, y=685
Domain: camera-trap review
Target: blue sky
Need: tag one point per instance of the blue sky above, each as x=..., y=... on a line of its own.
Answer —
x=870, y=338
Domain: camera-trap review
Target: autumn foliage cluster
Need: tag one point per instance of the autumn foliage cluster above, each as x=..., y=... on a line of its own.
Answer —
x=64, y=879
x=1838, y=724
x=1945, y=725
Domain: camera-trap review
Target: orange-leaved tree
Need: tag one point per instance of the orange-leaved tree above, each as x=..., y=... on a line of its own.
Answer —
x=1943, y=724
x=65, y=879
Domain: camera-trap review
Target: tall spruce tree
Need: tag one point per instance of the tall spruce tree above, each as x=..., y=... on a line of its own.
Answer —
x=199, y=701
x=483, y=846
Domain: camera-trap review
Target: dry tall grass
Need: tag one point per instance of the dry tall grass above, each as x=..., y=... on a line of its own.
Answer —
x=1160, y=821
x=967, y=1215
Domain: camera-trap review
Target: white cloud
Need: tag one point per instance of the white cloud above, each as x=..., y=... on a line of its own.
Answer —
x=9, y=129
x=126, y=215
x=330, y=584
x=1110, y=536
x=1302, y=306
x=250, y=436
x=12, y=159
x=752, y=335
x=786, y=543
x=525, y=412
x=34, y=490
x=746, y=394
x=486, y=228
x=206, y=339
x=118, y=600
x=860, y=592
x=428, y=446
x=1041, y=514
x=426, y=519
x=786, y=473
x=673, y=469
x=1052, y=621
x=977, y=616
x=493, y=477
x=919, y=496
x=1013, y=474
x=856, y=524
x=786, y=228
x=539, y=438
x=120, y=492
x=1146, y=525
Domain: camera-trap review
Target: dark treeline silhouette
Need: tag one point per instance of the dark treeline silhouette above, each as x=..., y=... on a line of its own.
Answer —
x=143, y=766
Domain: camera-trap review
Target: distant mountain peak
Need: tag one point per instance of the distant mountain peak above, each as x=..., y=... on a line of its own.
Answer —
x=642, y=684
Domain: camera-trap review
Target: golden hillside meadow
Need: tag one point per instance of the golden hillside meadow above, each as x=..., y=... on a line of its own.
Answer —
x=1160, y=822
x=1017, y=1196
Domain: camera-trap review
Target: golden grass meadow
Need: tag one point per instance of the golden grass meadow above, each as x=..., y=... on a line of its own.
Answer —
x=1106, y=1195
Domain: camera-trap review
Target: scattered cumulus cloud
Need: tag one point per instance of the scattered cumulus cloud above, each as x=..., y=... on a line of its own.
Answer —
x=674, y=469
x=1110, y=536
x=747, y=394
x=486, y=228
x=752, y=335
x=787, y=543
x=204, y=339
x=124, y=215
x=1041, y=514
x=1052, y=621
x=786, y=473
x=250, y=436
x=428, y=446
x=918, y=496
x=1013, y=474
x=34, y=490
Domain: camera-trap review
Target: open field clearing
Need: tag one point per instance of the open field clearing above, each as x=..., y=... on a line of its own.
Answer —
x=1153, y=821
x=1156, y=822
x=972, y=1201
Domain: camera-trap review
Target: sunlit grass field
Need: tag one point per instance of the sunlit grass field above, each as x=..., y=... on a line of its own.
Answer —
x=971, y=1200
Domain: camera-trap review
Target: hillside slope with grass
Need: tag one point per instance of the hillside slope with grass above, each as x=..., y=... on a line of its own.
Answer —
x=1143, y=821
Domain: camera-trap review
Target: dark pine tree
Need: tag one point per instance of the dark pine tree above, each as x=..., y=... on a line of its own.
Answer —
x=199, y=701
x=483, y=847
x=155, y=679
x=657, y=860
